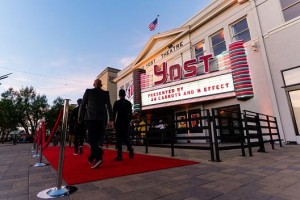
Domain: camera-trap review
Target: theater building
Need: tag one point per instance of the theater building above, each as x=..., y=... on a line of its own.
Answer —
x=233, y=55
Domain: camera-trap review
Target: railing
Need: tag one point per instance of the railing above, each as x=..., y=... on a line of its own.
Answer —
x=247, y=129
x=174, y=137
x=227, y=126
x=261, y=129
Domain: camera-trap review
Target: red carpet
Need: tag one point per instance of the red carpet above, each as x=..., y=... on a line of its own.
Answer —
x=76, y=169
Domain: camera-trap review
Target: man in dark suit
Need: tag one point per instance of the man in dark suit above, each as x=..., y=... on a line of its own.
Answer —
x=94, y=108
x=122, y=114
x=78, y=130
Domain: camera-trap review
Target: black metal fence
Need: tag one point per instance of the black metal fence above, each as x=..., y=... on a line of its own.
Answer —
x=261, y=129
x=196, y=134
x=228, y=131
x=212, y=131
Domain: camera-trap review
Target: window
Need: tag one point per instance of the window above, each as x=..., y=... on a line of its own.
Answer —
x=292, y=89
x=218, y=43
x=195, y=121
x=290, y=9
x=199, y=49
x=240, y=31
x=291, y=76
x=181, y=122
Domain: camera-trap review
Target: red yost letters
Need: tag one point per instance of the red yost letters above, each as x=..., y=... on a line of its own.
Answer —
x=205, y=60
x=176, y=72
x=162, y=73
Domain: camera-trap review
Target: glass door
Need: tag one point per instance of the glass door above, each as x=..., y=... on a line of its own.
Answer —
x=292, y=89
x=230, y=123
x=295, y=103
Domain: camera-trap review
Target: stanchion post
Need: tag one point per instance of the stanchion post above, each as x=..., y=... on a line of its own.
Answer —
x=34, y=144
x=36, y=147
x=40, y=164
x=62, y=144
x=59, y=190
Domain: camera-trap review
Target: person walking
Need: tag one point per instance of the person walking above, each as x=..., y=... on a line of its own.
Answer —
x=78, y=130
x=94, y=109
x=122, y=114
x=142, y=129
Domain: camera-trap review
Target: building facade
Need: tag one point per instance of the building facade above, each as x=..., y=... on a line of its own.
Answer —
x=234, y=55
x=107, y=76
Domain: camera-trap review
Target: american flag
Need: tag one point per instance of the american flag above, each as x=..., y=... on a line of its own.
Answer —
x=153, y=24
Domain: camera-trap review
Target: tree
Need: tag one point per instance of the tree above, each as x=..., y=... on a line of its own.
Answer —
x=53, y=113
x=8, y=118
x=28, y=106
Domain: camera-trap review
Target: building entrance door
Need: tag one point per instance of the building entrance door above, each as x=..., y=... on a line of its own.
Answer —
x=292, y=89
x=230, y=123
x=295, y=104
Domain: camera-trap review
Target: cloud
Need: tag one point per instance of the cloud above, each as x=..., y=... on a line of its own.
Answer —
x=11, y=61
x=140, y=40
x=125, y=61
x=65, y=77
x=71, y=88
x=70, y=84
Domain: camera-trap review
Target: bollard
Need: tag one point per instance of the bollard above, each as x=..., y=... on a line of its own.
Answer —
x=40, y=164
x=59, y=190
x=36, y=149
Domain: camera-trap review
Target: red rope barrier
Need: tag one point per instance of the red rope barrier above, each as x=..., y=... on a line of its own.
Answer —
x=54, y=129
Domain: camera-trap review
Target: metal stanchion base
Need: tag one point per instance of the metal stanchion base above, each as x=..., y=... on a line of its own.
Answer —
x=53, y=193
x=39, y=165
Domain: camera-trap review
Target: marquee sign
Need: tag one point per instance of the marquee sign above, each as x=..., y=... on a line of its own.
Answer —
x=238, y=80
x=176, y=72
x=199, y=88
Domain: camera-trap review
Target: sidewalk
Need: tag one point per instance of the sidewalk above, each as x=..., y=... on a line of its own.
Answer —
x=274, y=175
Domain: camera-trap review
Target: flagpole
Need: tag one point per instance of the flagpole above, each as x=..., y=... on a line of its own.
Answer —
x=157, y=19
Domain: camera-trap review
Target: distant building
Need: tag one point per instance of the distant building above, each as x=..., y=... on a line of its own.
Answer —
x=107, y=76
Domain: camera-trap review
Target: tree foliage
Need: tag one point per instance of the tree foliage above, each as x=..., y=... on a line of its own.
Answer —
x=8, y=118
x=52, y=114
x=26, y=107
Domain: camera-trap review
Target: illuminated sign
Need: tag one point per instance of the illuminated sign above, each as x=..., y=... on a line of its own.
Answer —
x=177, y=73
x=238, y=80
x=194, y=89
x=240, y=71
